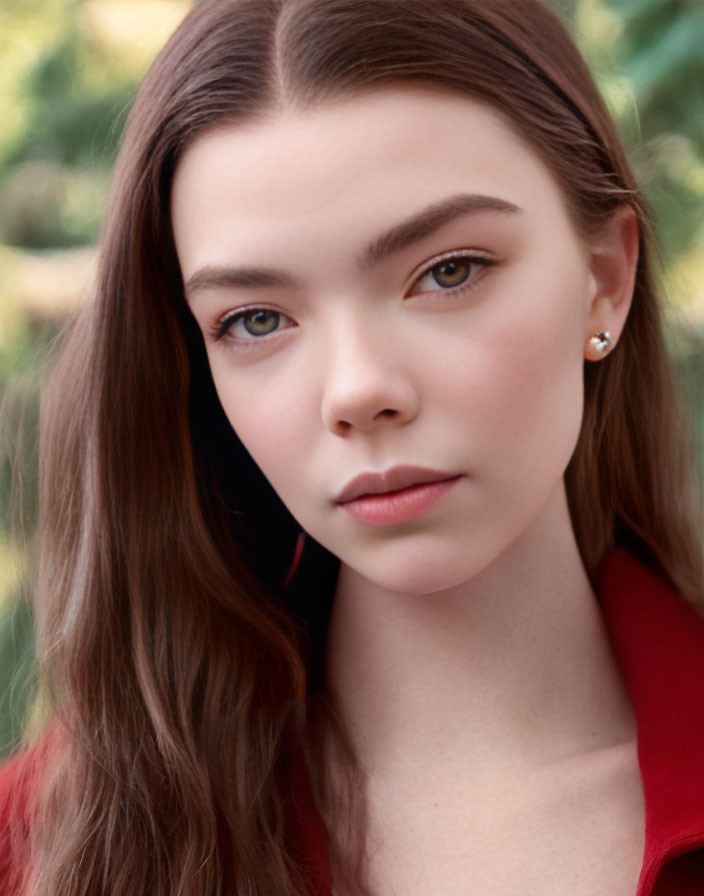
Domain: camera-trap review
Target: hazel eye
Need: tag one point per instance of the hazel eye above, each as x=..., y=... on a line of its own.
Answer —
x=251, y=324
x=261, y=322
x=451, y=273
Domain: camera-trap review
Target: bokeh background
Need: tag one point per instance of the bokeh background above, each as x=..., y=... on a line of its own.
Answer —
x=70, y=70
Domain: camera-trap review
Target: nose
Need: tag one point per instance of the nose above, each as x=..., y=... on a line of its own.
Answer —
x=366, y=385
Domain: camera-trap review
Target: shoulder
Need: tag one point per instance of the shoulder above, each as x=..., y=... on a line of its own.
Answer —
x=20, y=779
x=658, y=641
x=641, y=608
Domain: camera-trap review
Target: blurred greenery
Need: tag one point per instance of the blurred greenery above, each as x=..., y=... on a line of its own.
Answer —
x=75, y=65
x=71, y=69
x=648, y=60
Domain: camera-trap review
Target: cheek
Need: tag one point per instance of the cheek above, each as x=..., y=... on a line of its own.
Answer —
x=519, y=386
x=539, y=372
x=268, y=420
x=538, y=384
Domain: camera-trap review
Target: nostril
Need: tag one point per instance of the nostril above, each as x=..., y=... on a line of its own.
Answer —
x=342, y=426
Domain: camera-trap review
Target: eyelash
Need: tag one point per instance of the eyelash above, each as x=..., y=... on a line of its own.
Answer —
x=223, y=326
x=472, y=258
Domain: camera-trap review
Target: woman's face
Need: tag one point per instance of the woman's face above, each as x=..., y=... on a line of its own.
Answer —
x=392, y=281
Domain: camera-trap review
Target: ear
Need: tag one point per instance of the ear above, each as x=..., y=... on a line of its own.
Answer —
x=613, y=258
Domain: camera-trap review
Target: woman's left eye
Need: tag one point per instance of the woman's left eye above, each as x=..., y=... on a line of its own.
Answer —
x=451, y=273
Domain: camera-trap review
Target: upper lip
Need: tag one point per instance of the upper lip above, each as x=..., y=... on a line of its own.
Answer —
x=392, y=480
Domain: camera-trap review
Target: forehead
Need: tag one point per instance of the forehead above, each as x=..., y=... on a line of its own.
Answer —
x=350, y=165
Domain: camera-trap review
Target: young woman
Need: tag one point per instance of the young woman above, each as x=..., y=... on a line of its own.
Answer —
x=372, y=558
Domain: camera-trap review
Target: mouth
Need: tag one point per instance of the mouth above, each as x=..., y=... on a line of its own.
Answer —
x=390, y=482
x=399, y=496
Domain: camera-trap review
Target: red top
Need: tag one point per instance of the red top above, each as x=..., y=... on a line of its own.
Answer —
x=658, y=641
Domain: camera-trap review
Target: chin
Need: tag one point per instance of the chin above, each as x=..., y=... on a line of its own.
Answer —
x=426, y=563
x=429, y=576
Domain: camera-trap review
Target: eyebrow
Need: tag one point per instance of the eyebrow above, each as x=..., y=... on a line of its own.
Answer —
x=427, y=221
x=419, y=226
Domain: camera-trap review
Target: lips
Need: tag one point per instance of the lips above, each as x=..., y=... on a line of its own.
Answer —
x=393, y=480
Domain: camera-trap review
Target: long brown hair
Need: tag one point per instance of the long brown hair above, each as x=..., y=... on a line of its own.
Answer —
x=177, y=667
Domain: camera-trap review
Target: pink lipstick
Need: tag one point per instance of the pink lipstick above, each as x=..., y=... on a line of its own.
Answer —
x=397, y=496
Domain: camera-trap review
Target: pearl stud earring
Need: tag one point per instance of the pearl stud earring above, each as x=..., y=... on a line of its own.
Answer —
x=601, y=342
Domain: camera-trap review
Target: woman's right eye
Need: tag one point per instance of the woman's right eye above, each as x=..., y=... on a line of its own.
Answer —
x=251, y=324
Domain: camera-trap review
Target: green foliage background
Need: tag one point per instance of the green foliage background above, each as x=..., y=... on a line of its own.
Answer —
x=73, y=67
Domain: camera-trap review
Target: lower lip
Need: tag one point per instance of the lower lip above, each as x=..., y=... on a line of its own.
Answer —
x=392, y=508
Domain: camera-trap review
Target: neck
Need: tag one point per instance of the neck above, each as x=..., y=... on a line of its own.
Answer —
x=510, y=669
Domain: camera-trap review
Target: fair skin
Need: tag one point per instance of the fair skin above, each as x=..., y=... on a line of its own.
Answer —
x=466, y=648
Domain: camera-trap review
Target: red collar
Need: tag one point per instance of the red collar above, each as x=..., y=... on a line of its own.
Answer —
x=658, y=640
